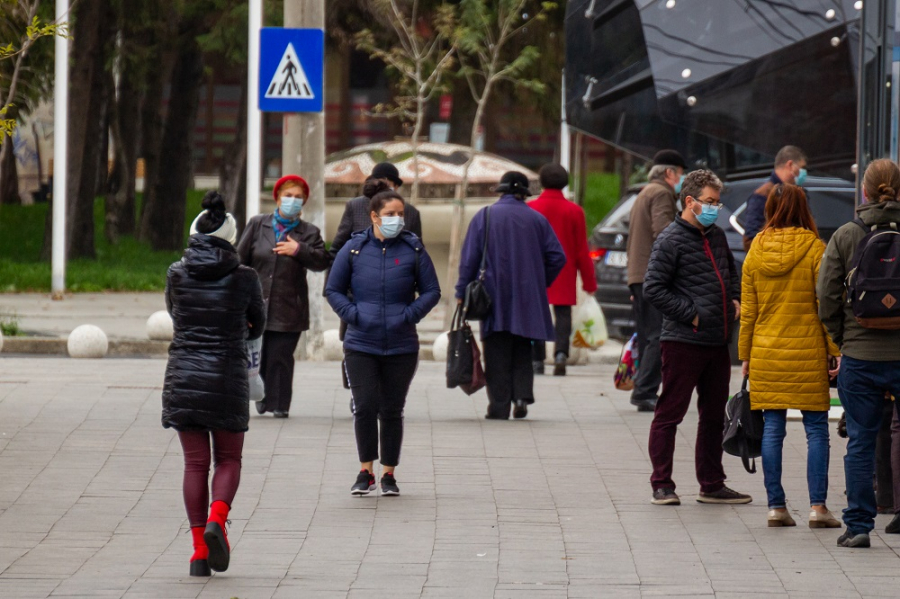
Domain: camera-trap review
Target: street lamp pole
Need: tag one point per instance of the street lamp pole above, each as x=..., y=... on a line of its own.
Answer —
x=303, y=153
x=254, y=116
x=60, y=139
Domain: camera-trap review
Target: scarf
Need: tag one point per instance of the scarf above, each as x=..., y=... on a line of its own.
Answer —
x=282, y=225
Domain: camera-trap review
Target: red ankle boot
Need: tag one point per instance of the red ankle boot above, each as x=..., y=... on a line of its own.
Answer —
x=199, y=565
x=215, y=537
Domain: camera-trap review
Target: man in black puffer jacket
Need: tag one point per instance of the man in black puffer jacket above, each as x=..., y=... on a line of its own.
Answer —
x=693, y=281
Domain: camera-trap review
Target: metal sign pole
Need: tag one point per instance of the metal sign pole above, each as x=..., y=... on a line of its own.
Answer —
x=60, y=139
x=254, y=116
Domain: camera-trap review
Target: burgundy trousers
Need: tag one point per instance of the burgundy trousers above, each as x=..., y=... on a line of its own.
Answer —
x=226, y=449
x=686, y=367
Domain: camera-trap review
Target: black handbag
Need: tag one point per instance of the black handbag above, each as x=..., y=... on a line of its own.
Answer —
x=463, y=357
x=477, y=301
x=743, y=429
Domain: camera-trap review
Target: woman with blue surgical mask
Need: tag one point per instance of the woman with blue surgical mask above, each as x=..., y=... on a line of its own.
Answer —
x=282, y=247
x=382, y=283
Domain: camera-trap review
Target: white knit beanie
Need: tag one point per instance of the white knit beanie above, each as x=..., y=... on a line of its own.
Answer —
x=228, y=230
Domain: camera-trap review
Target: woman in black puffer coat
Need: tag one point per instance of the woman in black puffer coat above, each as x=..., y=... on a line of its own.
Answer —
x=216, y=305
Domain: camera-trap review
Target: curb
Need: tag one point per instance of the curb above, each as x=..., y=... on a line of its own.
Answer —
x=119, y=348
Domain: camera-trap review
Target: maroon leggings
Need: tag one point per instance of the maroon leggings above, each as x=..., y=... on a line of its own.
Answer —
x=226, y=446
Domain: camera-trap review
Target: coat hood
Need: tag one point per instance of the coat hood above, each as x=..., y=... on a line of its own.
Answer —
x=209, y=258
x=780, y=250
x=879, y=214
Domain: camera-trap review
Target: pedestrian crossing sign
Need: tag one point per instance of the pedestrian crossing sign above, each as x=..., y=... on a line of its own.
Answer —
x=291, y=70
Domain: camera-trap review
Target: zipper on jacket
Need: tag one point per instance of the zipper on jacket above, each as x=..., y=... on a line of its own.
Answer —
x=384, y=343
x=708, y=250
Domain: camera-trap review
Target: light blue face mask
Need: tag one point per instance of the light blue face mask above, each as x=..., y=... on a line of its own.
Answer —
x=391, y=226
x=679, y=184
x=290, y=207
x=800, y=179
x=708, y=215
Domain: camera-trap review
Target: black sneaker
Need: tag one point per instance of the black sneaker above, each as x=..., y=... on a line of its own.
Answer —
x=893, y=527
x=724, y=495
x=848, y=539
x=365, y=483
x=537, y=366
x=665, y=497
x=521, y=409
x=389, y=485
x=644, y=405
x=559, y=365
x=260, y=406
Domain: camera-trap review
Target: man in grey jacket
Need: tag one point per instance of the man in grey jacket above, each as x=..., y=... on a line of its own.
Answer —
x=653, y=211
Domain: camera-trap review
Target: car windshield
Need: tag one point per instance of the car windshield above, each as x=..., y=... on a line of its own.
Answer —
x=619, y=216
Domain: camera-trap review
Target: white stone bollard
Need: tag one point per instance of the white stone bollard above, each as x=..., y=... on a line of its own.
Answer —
x=334, y=347
x=160, y=327
x=87, y=341
x=439, y=347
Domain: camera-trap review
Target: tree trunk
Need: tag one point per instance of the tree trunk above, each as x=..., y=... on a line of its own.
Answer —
x=9, y=174
x=117, y=184
x=233, y=173
x=166, y=212
x=84, y=120
x=125, y=126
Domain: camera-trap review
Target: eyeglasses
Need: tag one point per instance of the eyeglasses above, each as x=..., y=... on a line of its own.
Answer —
x=708, y=202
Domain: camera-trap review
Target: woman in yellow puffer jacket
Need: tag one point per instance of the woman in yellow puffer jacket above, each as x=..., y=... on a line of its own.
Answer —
x=785, y=348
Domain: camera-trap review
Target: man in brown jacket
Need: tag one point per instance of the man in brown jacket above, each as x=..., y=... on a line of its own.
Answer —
x=653, y=210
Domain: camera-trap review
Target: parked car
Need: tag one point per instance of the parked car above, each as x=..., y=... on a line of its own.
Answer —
x=832, y=201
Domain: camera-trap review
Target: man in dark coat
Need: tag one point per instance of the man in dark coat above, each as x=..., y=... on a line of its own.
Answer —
x=523, y=258
x=693, y=281
x=790, y=167
x=356, y=211
x=653, y=210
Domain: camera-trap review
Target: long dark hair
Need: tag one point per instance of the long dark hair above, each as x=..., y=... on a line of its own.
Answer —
x=383, y=198
x=787, y=206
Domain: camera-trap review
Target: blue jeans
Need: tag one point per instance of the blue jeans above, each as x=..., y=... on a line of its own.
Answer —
x=817, y=455
x=862, y=385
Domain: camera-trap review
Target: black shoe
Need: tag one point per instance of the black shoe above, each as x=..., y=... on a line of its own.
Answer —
x=365, y=483
x=665, y=497
x=280, y=414
x=521, y=409
x=260, y=407
x=644, y=405
x=848, y=539
x=492, y=417
x=538, y=367
x=559, y=366
x=217, y=543
x=389, y=484
x=893, y=527
x=724, y=495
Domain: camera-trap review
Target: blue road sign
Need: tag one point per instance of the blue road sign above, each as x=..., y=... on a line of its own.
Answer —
x=291, y=70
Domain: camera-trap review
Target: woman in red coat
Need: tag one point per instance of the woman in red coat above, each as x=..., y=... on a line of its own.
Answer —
x=567, y=220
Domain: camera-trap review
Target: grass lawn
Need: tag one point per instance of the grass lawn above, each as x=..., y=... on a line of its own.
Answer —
x=127, y=266
x=601, y=194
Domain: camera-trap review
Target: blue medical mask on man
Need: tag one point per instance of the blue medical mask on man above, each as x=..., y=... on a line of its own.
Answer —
x=391, y=226
x=800, y=179
x=290, y=206
x=679, y=184
x=708, y=213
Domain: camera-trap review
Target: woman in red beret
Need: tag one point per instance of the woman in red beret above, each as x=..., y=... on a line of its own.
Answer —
x=281, y=247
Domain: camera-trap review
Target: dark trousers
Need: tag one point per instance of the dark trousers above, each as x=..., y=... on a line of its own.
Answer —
x=277, y=369
x=861, y=386
x=884, y=483
x=378, y=387
x=686, y=367
x=563, y=320
x=895, y=457
x=226, y=448
x=507, y=368
x=649, y=327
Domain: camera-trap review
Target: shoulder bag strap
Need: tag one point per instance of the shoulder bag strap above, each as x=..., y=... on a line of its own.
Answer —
x=487, y=228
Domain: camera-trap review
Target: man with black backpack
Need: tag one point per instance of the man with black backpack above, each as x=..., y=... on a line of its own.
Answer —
x=859, y=303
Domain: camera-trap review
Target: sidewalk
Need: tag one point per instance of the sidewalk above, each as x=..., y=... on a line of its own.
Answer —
x=556, y=506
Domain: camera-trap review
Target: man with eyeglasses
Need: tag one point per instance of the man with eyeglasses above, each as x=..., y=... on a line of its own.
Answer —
x=692, y=279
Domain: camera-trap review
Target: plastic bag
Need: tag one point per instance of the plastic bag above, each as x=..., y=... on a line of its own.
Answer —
x=589, y=325
x=254, y=353
x=628, y=365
